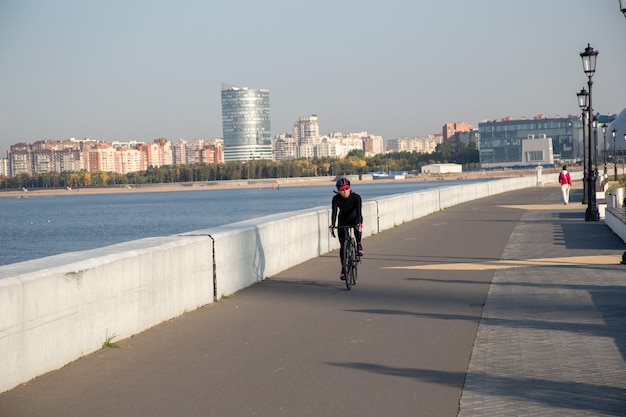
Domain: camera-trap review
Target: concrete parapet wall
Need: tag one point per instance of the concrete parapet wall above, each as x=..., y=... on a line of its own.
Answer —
x=56, y=309
x=616, y=221
x=59, y=308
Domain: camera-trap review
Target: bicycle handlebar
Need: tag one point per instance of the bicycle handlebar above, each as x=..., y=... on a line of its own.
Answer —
x=332, y=228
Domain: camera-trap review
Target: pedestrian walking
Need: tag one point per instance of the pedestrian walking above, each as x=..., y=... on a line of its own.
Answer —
x=565, y=179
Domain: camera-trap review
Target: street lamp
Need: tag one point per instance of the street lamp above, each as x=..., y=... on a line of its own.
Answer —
x=614, y=133
x=583, y=98
x=595, y=145
x=589, y=56
x=622, y=6
x=604, y=126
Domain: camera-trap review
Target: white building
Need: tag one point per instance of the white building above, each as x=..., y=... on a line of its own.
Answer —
x=442, y=169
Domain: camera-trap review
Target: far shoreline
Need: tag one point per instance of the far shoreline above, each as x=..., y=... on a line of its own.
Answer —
x=261, y=183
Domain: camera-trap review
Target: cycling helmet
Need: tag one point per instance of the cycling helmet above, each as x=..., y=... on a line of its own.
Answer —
x=342, y=183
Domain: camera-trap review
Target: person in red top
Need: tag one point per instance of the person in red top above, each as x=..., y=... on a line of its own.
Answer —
x=565, y=180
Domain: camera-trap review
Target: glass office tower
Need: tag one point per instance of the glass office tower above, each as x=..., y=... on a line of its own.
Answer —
x=246, y=123
x=501, y=141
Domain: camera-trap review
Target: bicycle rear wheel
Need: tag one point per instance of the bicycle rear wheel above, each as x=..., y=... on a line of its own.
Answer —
x=347, y=266
x=355, y=262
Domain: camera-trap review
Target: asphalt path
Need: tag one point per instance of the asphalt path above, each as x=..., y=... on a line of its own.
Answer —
x=300, y=344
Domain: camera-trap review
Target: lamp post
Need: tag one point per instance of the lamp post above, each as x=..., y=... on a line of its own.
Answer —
x=583, y=97
x=604, y=126
x=589, y=56
x=595, y=145
x=614, y=133
x=622, y=6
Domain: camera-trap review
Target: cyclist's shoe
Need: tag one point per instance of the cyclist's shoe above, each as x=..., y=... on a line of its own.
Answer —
x=342, y=276
x=360, y=250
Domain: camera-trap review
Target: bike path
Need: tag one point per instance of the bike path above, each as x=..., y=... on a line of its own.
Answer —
x=408, y=340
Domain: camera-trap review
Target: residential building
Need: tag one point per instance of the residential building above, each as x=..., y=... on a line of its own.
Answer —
x=284, y=147
x=94, y=156
x=419, y=145
x=160, y=153
x=4, y=167
x=101, y=158
x=306, y=130
x=193, y=151
x=451, y=129
x=373, y=145
x=179, y=152
x=246, y=123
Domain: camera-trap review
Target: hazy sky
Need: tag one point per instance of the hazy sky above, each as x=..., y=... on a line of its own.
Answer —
x=140, y=70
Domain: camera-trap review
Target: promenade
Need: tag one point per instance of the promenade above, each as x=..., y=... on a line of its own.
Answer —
x=510, y=305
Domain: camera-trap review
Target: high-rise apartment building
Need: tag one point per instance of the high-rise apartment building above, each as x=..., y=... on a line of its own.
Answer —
x=246, y=124
x=306, y=130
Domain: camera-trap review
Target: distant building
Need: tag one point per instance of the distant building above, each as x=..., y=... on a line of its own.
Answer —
x=198, y=151
x=373, y=145
x=442, y=168
x=284, y=147
x=619, y=143
x=73, y=155
x=509, y=142
x=306, y=130
x=4, y=167
x=246, y=124
x=451, y=129
x=419, y=145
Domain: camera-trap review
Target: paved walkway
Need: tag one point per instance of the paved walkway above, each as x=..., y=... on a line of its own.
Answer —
x=511, y=305
x=552, y=337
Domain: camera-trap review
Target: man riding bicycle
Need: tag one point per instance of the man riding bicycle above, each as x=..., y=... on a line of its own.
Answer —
x=346, y=210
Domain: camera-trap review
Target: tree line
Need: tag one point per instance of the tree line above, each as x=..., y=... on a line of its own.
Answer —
x=354, y=163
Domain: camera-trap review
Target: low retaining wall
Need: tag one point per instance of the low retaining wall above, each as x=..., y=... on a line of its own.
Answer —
x=57, y=309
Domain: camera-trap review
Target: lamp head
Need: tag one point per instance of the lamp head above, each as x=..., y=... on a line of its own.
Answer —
x=622, y=6
x=614, y=132
x=589, y=56
x=583, y=96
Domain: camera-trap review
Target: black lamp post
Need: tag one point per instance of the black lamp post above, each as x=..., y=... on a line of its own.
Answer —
x=583, y=97
x=589, y=56
x=595, y=145
x=622, y=6
x=604, y=126
x=614, y=132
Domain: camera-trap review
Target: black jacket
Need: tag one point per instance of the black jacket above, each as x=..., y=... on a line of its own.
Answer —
x=349, y=210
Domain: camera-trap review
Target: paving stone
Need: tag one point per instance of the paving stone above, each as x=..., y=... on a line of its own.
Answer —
x=552, y=337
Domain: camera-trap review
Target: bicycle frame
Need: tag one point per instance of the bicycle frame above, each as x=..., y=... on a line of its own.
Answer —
x=350, y=256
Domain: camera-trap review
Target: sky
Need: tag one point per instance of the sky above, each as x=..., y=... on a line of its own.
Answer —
x=126, y=70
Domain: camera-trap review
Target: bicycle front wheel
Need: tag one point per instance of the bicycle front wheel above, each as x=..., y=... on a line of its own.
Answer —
x=354, y=262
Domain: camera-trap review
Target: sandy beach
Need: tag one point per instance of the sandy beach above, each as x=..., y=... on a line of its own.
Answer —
x=266, y=183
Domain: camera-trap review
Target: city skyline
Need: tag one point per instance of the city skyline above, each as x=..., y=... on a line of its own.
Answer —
x=148, y=70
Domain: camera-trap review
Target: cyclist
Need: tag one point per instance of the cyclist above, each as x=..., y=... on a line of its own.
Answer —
x=346, y=210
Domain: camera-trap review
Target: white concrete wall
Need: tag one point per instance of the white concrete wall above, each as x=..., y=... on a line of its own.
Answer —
x=56, y=309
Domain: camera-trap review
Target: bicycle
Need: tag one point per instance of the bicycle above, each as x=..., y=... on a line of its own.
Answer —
x=350, y=257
